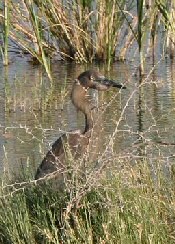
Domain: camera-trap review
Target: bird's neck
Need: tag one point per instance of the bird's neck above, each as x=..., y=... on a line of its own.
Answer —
x=88, y=122
x=80, y=101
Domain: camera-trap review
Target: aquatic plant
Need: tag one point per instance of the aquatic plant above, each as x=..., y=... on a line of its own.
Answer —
x=81, y=30
x=140, y=31
x=152, y=27
x=84, y=31
x=5, y=28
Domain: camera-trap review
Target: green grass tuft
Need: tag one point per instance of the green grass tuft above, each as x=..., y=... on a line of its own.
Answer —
x=130, y=206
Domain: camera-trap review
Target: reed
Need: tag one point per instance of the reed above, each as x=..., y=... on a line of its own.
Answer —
x=160, y=16
x=153, y=22
x=26, y=31
x=35, y=22
x=84, y=31
x=167, y=11
x=81, y=31
x=140, y=31
x=6, y=33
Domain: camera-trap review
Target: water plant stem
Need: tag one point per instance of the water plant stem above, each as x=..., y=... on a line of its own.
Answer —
x=139, y=38
x=6, y=32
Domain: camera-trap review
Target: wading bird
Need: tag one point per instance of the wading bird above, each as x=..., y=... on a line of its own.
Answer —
x=75, y=142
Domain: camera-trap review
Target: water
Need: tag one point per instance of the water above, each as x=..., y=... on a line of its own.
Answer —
x=34, y=112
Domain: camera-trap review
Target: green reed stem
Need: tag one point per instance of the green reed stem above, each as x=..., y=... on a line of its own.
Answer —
x=6, y=32
x=38, y=33
x=139, y=39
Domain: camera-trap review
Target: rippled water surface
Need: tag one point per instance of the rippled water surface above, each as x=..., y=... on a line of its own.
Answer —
x=34, y=112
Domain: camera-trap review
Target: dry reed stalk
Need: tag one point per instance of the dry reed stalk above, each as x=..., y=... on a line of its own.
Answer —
x=77, y=31
x=83, y=30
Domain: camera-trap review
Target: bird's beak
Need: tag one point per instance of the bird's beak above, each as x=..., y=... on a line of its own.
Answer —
x=103, y=83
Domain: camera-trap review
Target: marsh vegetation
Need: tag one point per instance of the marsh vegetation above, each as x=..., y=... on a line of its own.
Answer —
x=84, y=31
x=127, y=207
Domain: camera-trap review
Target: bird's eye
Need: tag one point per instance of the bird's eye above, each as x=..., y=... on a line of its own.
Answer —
x=92, y=78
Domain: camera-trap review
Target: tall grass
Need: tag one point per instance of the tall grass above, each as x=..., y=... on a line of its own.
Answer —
x=84, y=31
x=77, y=30
x=140, y=31
x=35, y=22
x=159, y=15
x=130, y=206
x=167, y=11
x=4, y=47
x=152, y=28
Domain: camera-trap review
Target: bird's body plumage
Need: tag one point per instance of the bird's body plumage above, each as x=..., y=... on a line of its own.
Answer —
x=74, y=144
